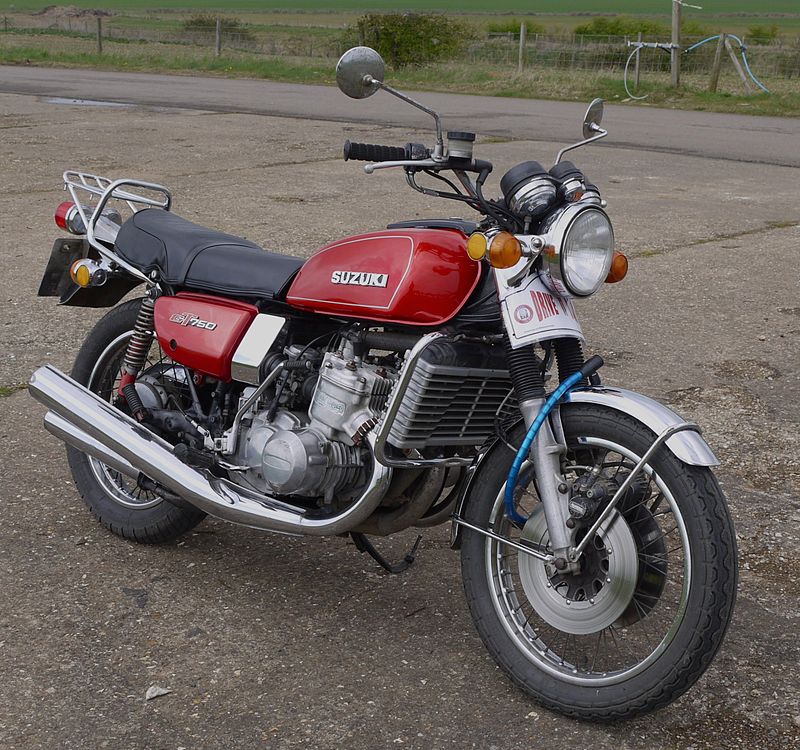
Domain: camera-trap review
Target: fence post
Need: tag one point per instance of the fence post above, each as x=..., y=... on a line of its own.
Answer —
x=675, y=52
x=715, y=68
x=736, y=64
x=636, y=69
x=218, y=38
x=523, y=31
x=5, y=23
x=99, y=35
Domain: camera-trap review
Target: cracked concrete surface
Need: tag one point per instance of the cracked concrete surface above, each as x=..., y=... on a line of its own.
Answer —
x=275, y=642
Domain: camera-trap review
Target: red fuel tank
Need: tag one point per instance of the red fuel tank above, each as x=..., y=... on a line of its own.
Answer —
x=201, y=331
x=410, y=276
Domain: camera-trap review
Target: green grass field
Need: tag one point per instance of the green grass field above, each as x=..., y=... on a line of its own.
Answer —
x=560, y=7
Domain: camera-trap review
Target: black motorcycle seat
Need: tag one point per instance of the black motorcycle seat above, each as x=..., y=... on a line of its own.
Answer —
x=193, y=257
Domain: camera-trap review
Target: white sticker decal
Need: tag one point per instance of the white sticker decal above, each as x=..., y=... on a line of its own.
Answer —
x=534, y=314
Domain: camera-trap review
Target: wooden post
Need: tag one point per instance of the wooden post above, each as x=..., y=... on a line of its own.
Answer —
x=523, y=32
x=99, y=35
x=736, y=64
x=712, y=84
x=5, y=23
x=218, y=39
x=675, y=52
x=636, y=69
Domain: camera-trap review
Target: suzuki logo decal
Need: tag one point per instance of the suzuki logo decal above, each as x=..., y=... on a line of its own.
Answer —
x=359, y=278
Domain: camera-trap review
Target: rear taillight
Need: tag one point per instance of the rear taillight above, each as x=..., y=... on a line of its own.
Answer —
x=68, y=218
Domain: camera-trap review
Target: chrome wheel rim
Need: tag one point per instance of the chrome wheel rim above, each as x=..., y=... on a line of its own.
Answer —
x=625, y=646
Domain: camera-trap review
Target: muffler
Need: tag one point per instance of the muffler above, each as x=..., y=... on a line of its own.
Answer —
x=85, y=421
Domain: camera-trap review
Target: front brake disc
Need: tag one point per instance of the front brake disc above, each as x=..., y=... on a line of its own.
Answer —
x=597, y=596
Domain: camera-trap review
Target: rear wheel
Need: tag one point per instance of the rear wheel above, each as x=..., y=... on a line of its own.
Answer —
x=643, y=618
x=119, y=503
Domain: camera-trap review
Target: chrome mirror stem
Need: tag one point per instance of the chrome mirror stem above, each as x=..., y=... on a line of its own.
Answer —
x=439, y=151
x=600, y=134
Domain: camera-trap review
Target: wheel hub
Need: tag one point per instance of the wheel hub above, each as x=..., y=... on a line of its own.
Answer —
x=592, y=599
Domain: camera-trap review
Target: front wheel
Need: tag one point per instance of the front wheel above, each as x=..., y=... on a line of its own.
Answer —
x=642, y=620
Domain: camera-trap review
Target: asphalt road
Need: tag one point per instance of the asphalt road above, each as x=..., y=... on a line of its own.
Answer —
x=763, y=140
x=276, y=642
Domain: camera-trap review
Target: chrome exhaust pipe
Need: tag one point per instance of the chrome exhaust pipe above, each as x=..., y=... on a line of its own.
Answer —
x=77, y=438
x=84, y=420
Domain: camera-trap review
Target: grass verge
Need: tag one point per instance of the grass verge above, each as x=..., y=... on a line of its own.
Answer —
x=486, y=79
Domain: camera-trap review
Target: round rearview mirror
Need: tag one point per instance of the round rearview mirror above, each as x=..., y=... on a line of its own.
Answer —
x=359, y=72
x=593, y=118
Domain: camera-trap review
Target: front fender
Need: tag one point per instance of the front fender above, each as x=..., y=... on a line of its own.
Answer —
x=688, y=446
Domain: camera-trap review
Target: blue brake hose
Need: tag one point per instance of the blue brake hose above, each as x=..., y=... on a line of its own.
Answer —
x=591, y=365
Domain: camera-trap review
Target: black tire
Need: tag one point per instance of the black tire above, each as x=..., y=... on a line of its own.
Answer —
x=158, y=520
x=707, y=588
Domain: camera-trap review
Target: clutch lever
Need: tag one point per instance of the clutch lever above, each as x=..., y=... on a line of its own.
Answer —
x=421, y=163
x=476, y=165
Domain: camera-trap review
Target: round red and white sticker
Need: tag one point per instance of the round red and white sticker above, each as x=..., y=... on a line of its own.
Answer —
x=523, y=313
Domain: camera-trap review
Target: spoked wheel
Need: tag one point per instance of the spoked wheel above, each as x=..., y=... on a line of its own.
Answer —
x=117, y=501
x=644, y=616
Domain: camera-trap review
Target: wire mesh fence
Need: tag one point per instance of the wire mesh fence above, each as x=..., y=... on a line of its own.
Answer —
x=779, y=58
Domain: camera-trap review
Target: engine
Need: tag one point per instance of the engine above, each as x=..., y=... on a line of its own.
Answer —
x=306, y=439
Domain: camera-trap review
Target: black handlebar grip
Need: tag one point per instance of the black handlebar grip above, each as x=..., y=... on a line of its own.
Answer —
x=373, y=152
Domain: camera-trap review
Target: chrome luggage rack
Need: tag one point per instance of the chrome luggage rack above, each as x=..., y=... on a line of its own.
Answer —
x=97, y=191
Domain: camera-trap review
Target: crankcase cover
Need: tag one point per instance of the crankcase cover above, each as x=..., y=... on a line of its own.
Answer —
x=293, y=462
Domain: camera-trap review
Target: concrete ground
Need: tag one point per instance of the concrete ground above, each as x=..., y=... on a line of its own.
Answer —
x=276, y=642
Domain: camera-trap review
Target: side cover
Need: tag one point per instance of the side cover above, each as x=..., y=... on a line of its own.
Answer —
x=201, y=331
x=409, y=276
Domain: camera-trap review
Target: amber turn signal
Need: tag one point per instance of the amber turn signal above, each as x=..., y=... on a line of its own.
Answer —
x=505, y=250
x=79, y=272
x=619, y=268
x=476, y=246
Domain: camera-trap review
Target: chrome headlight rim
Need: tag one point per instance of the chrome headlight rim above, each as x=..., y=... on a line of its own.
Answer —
x=557, y=227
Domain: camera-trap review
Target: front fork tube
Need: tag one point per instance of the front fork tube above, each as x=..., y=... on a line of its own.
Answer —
x=546, y=455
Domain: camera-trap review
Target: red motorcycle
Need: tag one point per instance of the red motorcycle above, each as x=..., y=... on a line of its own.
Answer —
x=399, y=379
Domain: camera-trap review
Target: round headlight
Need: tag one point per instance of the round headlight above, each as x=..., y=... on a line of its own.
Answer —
x=587, y=252
x=581, y=243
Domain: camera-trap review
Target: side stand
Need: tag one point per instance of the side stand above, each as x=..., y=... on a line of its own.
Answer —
x=365, y=545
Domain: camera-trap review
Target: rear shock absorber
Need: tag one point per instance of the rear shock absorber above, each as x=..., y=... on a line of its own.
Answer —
x=136, y=356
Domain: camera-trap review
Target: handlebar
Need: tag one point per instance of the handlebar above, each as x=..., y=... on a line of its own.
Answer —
x=374, y=152
x=415, y=157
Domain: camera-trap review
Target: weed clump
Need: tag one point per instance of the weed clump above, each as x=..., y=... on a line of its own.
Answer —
x=412, y=39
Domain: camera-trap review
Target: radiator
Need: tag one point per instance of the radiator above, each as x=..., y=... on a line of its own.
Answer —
x=448, y=406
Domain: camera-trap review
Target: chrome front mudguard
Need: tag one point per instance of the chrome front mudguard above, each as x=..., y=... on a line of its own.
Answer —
x=687, y=446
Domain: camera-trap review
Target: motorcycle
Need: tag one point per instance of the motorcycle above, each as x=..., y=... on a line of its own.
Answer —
x=399, y=379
